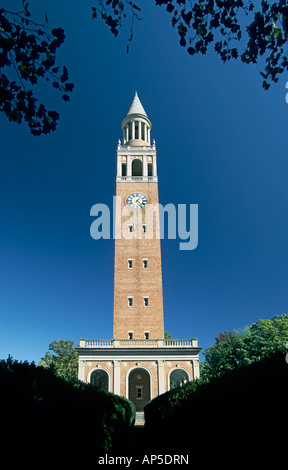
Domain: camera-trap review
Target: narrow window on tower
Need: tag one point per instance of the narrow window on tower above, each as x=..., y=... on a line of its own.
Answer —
x=146, y=334
x=130, y=228
x=144, y=228
x=130, y=301
x=146, y=301
x=145, y=263
x=124, y=169
x=130, y=334
x=130, y=263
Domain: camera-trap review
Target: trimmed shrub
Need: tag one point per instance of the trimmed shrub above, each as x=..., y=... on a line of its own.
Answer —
x=244, y=409
x=40, y=411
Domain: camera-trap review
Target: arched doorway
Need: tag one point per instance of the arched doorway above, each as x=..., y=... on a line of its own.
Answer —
x=178, y=377
x=136, y=167
x=99, y=378
x=139, y=388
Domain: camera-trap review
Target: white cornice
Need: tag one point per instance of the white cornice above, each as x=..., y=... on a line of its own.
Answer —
x=135, y=357
x=133, y=150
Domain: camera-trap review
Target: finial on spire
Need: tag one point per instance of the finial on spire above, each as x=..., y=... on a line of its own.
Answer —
x=136, y=125
x=136, y=106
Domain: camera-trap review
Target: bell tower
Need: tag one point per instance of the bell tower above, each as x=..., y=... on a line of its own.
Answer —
x=138, y=362
x=138, y=300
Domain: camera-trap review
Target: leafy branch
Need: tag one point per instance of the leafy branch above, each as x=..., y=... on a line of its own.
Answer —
x=220, y=24
x=113, y=12
x=28, y=53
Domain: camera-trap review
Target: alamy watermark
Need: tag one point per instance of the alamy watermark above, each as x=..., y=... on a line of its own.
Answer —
x=157, y=221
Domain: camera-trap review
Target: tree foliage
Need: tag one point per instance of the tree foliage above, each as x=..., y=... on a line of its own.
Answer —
x=167, y=335
x=243, y=347
x=242, y=29
x=64, y=361
x=28, y=53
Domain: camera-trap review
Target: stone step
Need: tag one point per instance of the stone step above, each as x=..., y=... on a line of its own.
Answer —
x=140, y=419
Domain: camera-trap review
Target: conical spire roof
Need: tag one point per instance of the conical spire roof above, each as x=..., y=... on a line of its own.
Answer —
x=136, y=106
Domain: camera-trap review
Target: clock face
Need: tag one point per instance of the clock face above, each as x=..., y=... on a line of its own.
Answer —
x=137, y=200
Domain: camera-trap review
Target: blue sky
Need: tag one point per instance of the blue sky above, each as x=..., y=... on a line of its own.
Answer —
x=222, y=144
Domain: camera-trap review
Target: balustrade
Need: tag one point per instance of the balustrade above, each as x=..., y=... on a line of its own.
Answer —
x=132, y=343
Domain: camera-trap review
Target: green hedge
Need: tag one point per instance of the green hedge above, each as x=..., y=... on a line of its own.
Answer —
x=245, y=409
x=43, y=412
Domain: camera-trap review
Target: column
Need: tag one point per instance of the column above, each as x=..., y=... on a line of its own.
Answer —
x=145, y=133
x=154, y=165
x=119, y=167
x=116, y=388
x=145, y=168
x=133, y=130
x=81, y=369
x=129, y=172
x=127, y=133
x=161, y=377
x=196, y=369
x=148, y=136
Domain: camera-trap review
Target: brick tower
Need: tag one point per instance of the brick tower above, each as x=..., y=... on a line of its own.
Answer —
x=139, y=362
x=138, y=301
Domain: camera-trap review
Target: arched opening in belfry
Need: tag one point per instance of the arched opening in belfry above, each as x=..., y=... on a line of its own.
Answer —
x=143, y=134
x=129, y=130
x=178, y=377
x=137, y=167
x=137, y=130
x=150, y=169
x=100, y=379
x=139, y=388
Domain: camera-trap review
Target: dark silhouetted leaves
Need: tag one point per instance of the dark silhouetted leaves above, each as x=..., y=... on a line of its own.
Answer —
x=66, y=97
x=220, y=24
x=28, y=51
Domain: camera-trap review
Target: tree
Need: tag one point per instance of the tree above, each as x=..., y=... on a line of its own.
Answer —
x=27, y=53
x=219, y=24
x=167, y=335
x=64, y=363
x=242, y=347
x=28, y=48
x=268, y=336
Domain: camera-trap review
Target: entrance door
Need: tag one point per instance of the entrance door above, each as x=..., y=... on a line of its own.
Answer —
x=139, y=388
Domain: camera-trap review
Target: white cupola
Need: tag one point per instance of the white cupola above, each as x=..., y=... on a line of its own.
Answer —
x=136, y=126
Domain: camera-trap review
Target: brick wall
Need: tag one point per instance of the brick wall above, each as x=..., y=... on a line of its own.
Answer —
x=138, y=282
